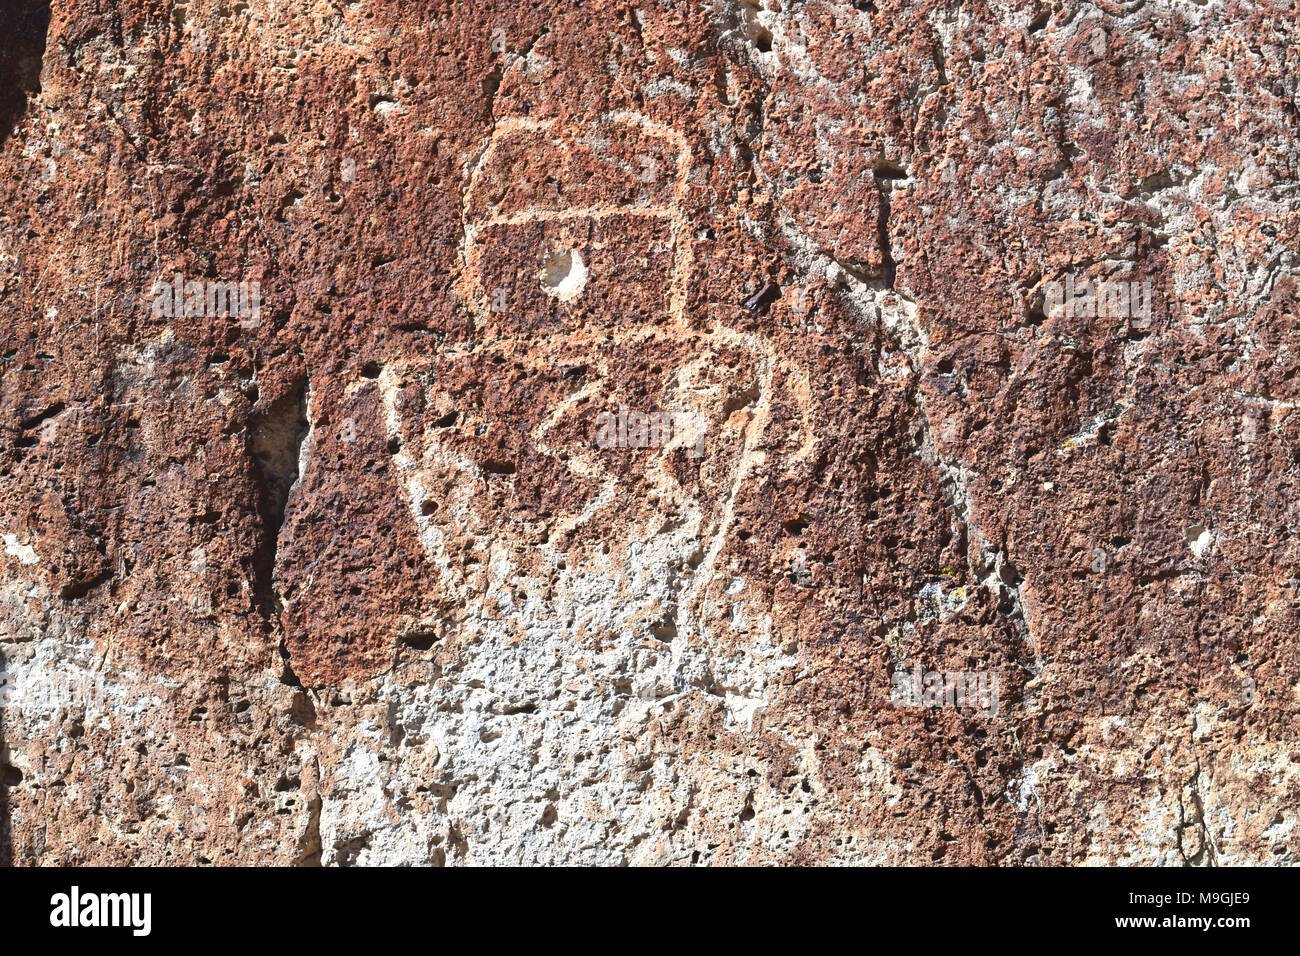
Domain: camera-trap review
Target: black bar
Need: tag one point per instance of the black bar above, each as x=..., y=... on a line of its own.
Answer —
x=941, y=906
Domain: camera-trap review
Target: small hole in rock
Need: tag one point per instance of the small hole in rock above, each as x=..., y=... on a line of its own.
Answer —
x=564, y=274
x=420, y=639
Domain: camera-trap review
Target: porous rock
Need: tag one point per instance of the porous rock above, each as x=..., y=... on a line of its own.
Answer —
x=355, y=580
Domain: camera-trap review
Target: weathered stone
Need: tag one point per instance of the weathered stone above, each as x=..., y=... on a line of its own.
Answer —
x=338, y=567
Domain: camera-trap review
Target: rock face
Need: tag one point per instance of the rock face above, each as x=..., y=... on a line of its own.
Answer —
x=587, y=432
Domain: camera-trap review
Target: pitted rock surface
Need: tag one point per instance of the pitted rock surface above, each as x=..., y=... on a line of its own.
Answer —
x=353, y=579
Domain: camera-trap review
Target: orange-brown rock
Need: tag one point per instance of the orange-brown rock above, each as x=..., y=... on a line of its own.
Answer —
x=446, y=432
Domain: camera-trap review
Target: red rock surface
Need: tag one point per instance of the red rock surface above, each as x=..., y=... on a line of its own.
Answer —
x=353, y=581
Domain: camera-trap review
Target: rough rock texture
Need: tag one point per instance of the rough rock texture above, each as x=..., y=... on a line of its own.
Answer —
x=354, y=582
